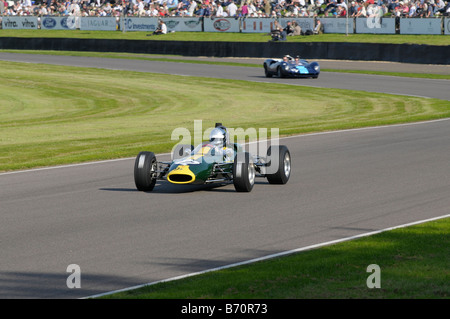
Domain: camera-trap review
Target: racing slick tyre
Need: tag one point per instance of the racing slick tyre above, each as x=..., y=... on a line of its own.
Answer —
x=279, y=169
x=243, y=172
x=145, y=168
x=266, y=72
x=180, y=151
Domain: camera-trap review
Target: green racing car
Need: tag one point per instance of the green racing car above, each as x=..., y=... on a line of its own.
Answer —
x=214, y=161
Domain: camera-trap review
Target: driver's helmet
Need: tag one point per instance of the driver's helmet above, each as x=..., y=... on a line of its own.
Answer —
x=218, y=136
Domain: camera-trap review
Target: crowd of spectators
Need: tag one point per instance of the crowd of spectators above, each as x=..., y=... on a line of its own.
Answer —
x=228, y=8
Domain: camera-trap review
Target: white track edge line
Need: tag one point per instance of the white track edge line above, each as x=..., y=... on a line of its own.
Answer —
x=284, y=253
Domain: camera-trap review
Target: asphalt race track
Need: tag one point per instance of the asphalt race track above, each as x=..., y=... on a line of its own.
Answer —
x=343, y=184
x=361, y=82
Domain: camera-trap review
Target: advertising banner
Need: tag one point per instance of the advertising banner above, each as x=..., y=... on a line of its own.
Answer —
x=221, y=25
x=375, y=25
x=447, y=26
x=420, y=26
x=337, y=25
x=187, y=24
x=59, y=23
x=139, y=24
x=257, y=25
x=14, y=22
x=98, y=23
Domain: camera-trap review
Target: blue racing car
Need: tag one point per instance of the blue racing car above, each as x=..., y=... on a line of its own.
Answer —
x=290, y=67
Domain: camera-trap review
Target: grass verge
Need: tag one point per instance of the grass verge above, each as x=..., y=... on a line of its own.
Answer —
x=413, y=264
x=230, y=37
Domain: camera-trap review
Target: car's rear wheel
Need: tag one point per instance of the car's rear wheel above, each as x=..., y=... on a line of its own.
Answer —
x=279, y=165
x=145, y=171
x=266, y=71
x=243, y=172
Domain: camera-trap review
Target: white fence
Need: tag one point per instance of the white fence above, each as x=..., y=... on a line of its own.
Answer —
x=375, y=25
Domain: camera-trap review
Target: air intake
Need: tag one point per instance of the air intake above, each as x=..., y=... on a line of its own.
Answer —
x=180, y=178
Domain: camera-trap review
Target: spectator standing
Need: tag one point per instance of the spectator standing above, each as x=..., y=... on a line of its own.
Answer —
x=27, y=3
x=294, y=9
x=412, y=10
x=362, y=13
x=430, y=10
x=204, y=11
x=371, y=10
x=172, y=4
x=440, y=4
x=244, y=10
x=232, y=9
x=420, y=11
x=108, y=8
x=330, y=9
x=405, y=10
x=251, y=9
x=342, y=3
x=43, y=11
x=219, y=11
x=353, y=9
x=183, y=5
x=267, y=7
x=192, y=8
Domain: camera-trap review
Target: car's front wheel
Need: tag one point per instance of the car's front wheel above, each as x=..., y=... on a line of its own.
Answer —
x=243, y=172
x=145, y=171
x=279, y=170
x=279, y=72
